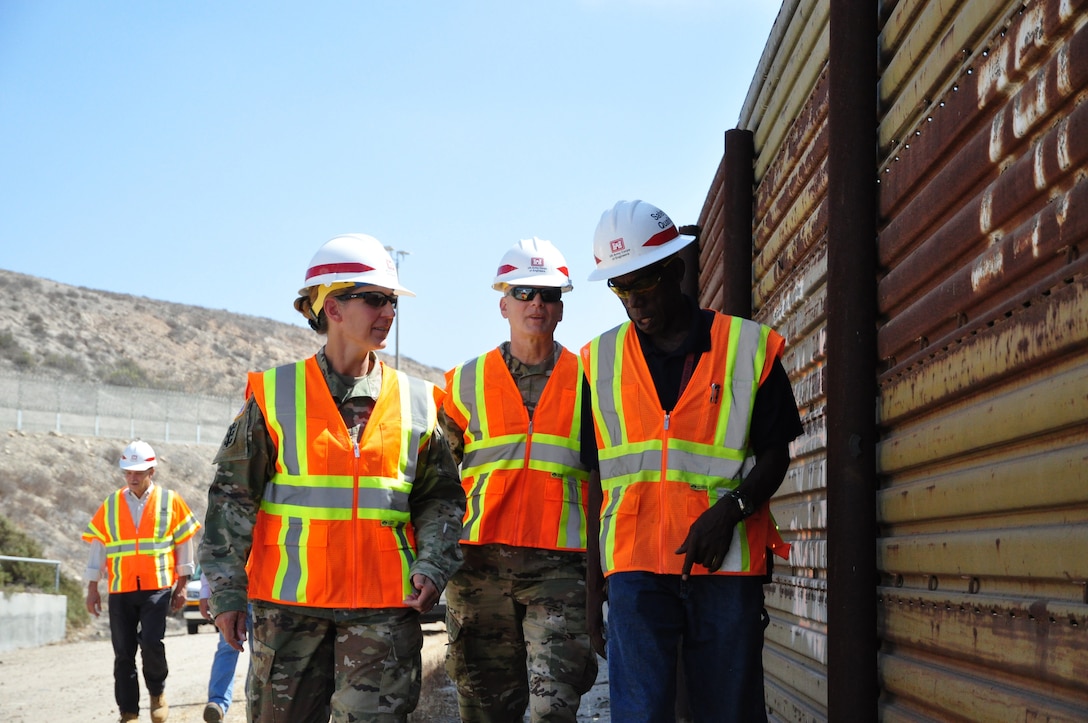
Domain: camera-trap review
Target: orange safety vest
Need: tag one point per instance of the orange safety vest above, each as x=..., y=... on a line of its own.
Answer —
x=661, y=470
x=334, y=527
x=523, y=479
x=142, y=558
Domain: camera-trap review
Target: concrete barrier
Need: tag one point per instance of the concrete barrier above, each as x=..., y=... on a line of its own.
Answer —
x=28, y=620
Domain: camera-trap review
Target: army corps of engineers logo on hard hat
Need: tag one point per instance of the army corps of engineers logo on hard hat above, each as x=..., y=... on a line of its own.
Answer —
x=537, y=262
x=632, y=235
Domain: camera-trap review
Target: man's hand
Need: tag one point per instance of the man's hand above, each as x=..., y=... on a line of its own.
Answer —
x=94, y=601
x=710, y=537
x=177, y=600
x=232, y=625
x=596, y=595
x=204, y=612
x=425, y=596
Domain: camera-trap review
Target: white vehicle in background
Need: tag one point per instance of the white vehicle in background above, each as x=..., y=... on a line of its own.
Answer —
x=191, y=611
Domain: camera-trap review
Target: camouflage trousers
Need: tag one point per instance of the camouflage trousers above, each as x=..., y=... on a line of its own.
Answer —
x=517, y=641
x=337, y=665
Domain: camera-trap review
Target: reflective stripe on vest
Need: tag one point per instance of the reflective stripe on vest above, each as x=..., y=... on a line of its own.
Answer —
x=660, y=470
x=524, y=480
x=142, y=558
x=334, y=527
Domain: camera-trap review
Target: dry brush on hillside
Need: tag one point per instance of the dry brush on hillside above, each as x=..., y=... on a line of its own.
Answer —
x=78, y=334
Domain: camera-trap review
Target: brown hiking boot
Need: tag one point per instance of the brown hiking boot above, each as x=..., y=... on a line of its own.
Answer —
x=159, y=708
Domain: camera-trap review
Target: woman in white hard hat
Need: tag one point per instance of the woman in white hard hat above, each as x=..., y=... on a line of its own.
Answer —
x=516, y=610
x=335, y=510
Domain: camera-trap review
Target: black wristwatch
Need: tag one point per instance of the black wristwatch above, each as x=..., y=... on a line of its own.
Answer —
x=746, y=508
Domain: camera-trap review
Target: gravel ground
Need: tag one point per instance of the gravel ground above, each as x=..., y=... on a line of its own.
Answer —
x=73, y=681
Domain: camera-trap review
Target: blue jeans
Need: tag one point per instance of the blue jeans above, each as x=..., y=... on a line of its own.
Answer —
x=221, y=682
x=720, y=621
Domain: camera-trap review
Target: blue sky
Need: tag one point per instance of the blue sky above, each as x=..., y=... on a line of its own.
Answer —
x=200, y=152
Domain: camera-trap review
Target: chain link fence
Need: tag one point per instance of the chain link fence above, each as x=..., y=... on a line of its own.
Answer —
x=33, y=404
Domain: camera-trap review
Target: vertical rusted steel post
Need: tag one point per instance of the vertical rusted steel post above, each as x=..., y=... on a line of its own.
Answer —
x=851, y=364
x=690, y=255
x=738, y=181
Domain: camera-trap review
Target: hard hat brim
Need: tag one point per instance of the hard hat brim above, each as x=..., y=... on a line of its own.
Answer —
x=138, y=467
x=640, y=261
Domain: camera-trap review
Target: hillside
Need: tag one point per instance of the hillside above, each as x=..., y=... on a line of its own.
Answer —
x=51, y=484
x=71, y=332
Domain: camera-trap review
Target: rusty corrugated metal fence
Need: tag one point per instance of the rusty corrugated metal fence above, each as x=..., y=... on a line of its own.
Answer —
x=979, y=147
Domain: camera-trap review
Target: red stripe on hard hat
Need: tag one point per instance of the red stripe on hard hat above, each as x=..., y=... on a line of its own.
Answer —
x=664, y=237
x=337, y=269
x=565, y=271
x=505, y=269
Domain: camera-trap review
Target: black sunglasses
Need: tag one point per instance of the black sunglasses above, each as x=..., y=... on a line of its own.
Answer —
x=649, y=282
x=528, y=293
x=372, y=298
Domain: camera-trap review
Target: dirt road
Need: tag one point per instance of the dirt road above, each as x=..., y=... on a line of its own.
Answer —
x=73, y=682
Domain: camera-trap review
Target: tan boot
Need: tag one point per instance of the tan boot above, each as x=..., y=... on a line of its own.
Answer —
x=125, y=717
x=159, y=709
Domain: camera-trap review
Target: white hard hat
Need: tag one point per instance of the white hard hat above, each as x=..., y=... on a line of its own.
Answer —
x=138, y=456
x=533, y=262
x=632, y=235
x=354, y=258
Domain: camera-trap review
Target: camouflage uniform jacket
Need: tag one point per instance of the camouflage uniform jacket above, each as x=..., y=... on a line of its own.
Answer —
x=246, y=462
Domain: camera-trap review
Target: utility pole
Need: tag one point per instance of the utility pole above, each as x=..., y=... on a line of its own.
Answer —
x=397, y=255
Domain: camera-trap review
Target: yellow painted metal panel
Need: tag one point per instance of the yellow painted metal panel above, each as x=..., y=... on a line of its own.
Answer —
x=900, y=20
x=980, y=697
x=810, y=64
x=810, y=226
x=1049, y=399
x=799, y=303
x=1046, y=474
x=785, y=705
x=799, y=597
x=806, y=475
x=798, y=513
x=790, y=183
x=800, y=636
x=770, y=73
x=1054, y=552
x=786, y=76
x=1037, y=639
x=1007, y=347
x=808, y=553
x=780, y=664
x=931, y=57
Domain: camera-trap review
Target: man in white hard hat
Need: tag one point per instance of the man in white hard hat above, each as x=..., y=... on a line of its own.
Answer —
x=692, y=414
x=335, y=509
x=141, y=536
x=515, y=612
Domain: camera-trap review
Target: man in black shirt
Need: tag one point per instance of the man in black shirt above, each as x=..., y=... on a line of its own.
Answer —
x=693, y=415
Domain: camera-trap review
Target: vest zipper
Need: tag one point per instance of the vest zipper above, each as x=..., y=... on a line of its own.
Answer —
x=525, y=465
x=529, y=442
x=662, y=503
x=354, y=522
